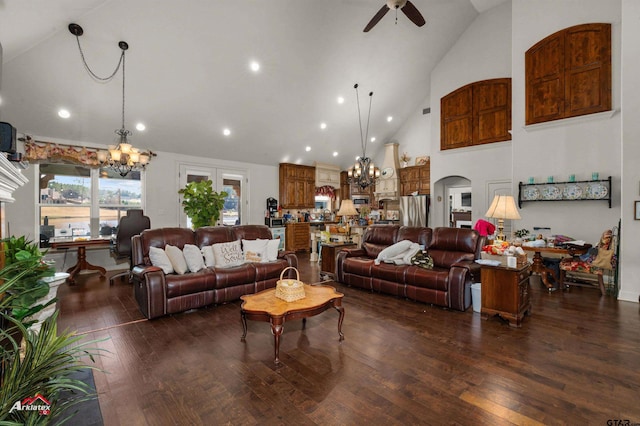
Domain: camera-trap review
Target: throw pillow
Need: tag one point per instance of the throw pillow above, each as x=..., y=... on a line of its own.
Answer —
x=193, y=256
x=177, y=259
x=254, y=250
x=272, y=250
x=209, y=260
x=228, y=254
x=159, y=258
x=422, y=260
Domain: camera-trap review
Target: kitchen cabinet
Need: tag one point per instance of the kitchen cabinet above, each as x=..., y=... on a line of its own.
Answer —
x=415, y=178
x=298, y=236
x=327, y=175
x=297, y=186
x=505, y=292
x=345, y=186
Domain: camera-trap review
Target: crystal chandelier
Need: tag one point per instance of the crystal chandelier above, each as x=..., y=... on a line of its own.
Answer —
x=364, y=173
x=123, y=157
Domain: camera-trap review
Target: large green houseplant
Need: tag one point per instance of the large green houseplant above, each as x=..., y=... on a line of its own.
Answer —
x=201, y=203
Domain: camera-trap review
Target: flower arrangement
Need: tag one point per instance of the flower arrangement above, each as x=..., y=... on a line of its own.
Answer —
x=521, y=233
x=405, y=158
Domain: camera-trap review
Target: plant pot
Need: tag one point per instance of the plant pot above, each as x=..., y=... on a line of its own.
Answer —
x=54, y=283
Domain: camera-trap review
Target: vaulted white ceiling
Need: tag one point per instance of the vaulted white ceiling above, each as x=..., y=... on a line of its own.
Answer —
x=188, y=76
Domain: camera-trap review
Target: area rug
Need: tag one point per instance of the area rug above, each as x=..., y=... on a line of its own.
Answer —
x=87, y=413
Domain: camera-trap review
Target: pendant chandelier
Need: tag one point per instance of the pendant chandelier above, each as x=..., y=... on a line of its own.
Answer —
x=364, y=173
x=121, y=157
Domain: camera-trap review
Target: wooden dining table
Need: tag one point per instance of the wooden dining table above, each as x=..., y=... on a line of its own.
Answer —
x=82, y=264
x=538, y=261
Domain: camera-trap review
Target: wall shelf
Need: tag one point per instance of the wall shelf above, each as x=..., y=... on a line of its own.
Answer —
x=581, y=190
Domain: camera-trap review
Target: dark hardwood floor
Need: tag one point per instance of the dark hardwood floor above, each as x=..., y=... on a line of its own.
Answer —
x=574, y=361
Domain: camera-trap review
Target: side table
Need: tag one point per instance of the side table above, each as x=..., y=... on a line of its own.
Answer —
x=328, y=257
x=505, y=292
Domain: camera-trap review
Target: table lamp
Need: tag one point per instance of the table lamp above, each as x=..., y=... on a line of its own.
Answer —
x=347, y=209
x=503, y=207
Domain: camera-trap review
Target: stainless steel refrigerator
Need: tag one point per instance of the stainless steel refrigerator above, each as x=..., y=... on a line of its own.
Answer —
x=414, y=210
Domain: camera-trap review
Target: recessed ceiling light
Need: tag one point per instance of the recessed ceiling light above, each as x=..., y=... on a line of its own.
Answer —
x=335, y=153
x=255, y=67
x=373, y=139
x=226, y=132
x=323, y=126
x=140, y=127
x=389, y=118
x=340, y=100
x=308, y=149
x=63, y=113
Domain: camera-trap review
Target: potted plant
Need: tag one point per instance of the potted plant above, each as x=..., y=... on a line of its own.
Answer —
x=24, y=261
x=201, y=203
x=36, y=366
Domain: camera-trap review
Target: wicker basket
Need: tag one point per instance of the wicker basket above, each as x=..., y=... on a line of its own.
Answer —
x=290, y=290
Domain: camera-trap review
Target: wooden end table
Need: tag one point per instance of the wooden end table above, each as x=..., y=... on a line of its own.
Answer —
x=505, y=292
x=328, y=257
x=265, y=306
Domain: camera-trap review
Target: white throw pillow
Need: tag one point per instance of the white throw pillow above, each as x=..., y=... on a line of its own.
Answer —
x=177, y=259
x=193, y=256
x=228, y=254
x=159, y=258
x=209, y=260
x=272, y=250
x=254, y=250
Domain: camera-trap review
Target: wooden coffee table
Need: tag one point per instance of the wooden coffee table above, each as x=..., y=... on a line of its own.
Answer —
x=265, y=306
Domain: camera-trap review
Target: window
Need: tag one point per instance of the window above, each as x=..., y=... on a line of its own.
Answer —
x=78, y=201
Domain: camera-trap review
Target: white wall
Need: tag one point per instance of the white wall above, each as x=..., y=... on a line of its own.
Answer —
x=482, y=52
x=494, y=46
x=629, y=246
x=161, y=202
x=577, y=146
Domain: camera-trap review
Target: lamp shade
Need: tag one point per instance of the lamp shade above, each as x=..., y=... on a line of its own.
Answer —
x=503, y=207
x=347, y=209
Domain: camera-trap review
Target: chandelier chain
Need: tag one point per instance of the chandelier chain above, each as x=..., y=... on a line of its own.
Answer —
x=90, y=71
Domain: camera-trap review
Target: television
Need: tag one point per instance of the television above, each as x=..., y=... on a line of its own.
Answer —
x=465, y=199
x=7, y=138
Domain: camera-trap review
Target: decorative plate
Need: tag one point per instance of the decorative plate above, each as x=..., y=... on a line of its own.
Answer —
x=572, y=192
x=530, y=194
x=551, y=192
x=597, y=191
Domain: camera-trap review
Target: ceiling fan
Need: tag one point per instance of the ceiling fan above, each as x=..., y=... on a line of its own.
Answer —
x=404, y=5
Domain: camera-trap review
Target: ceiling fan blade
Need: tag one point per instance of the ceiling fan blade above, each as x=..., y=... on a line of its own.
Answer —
x=412, y=13
x=383, y=11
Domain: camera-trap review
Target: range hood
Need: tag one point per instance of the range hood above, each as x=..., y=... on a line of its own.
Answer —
x=388, y=186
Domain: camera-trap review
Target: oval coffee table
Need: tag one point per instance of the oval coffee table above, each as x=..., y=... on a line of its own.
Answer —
x=265, y=306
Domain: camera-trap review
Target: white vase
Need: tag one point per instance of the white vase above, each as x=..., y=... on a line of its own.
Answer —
x=54, y=282
x=405, y=163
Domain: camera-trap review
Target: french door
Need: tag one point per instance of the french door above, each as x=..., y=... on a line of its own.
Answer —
x=231, y=181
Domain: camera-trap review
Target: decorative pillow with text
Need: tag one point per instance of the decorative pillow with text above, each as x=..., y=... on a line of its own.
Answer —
x=228, y=254
x=254, y=250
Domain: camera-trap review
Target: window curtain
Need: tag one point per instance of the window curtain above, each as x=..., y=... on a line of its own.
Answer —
x=326, y=190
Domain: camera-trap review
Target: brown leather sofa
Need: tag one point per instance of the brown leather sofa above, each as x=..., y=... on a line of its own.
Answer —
x=448, y=284
x=158, y=294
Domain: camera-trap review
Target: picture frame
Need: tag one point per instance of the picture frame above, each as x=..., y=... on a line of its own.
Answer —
x=421, y=161
x=636, y=210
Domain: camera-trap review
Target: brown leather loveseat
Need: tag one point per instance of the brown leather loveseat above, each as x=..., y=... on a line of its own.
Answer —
x=158, y=294
x=448, y=284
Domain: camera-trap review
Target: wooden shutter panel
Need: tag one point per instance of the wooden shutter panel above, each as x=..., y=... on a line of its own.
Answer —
x=456, y=122
x=588, y=69
x=544, y=70
x=492, y=110
x=568, y=74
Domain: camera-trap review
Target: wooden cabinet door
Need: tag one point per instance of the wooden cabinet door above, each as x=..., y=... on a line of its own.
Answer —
x=456, y=119
x=345, y=187
x=492, y=111
x=568, y=74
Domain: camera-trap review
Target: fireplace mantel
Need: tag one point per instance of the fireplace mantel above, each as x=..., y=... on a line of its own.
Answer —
x=11, y=178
